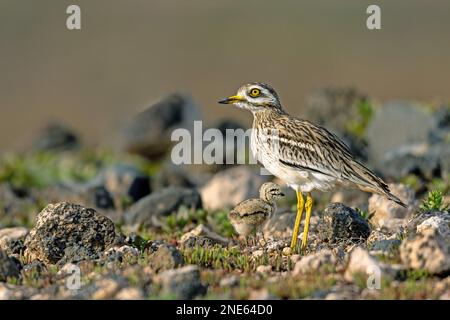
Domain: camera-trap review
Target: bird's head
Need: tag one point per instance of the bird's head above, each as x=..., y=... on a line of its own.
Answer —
x=270, y=191
x=255, y=97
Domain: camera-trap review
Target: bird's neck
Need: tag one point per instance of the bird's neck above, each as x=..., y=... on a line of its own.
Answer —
x=267, y=115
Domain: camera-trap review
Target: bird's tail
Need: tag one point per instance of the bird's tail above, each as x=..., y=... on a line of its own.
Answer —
x=391, y=197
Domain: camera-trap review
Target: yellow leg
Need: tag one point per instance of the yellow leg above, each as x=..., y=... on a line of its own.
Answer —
x=298, y=219
x=308, y=207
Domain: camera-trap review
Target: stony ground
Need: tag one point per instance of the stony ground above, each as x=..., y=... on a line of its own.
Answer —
x=125, y=223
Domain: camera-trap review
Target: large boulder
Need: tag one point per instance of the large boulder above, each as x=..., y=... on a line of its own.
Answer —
x=149, y=132
x=66, y=232
x=149, y=210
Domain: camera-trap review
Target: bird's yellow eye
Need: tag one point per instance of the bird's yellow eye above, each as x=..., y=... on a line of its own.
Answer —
x=255, y=92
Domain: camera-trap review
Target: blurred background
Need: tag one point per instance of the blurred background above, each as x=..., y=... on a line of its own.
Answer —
x=128, y=55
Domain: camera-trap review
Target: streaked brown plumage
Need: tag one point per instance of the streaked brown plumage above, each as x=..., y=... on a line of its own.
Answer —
x=250, y=215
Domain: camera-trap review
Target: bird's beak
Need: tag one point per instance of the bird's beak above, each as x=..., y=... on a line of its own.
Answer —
x=231, y=99
x=281, y=194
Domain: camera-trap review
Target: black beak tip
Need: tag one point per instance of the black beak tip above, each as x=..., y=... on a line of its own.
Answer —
x=224, y=101
x=282, y=194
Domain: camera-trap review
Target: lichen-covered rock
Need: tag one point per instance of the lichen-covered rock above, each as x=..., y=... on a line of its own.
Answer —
x=341, y=223
x=389, y=215
x=229, y=187
x=202, y=236
x=428, y=250
x=323, y=260
x=149, y=210
x=166, y=257
x=182, y=283
x=11, y=239
x=66, y=232
x=8, y=267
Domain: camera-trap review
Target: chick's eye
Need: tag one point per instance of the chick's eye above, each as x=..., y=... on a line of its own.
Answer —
x=255, y=93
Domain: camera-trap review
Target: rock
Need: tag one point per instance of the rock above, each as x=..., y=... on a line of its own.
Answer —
x=66, y=232
x=230, y=149
x=166, y=257
x=361, y=263
x=123, y=253
x=275, y=245
x=229, y=281
x=264, y=269
x=341, y=223
x=340, y=110
x=258, y=253
x=203, y=236
x=100, y=198
x=172, y=175
x=260, y=294
x=428, y=250
x=9, y=267
x=149, y=210
x=56, y=137
x=385, y=247
x=280, y=224
x=107, y=288
x=33, y=269
x=182, y=283
x=123, y=181
x=435, y=220
x=343, y=292
x=135, y=241
x=11, y=239
x=389, y=215
x=439, y=223
x=422, y=160
x=149, y=133
x=322, y=261
x=229, y=187
x=287, y=251
x=384, y=134
x=130, y=294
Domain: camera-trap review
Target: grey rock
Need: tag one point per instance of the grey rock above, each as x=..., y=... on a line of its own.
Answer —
x=9, y=267
x=66, y=232
x=205, y=242
x=11, y=239
x=341, y=223
x=149, y=132
x=385, y=247
x=149, y=210
x=172, y=175
x=166, y=257
x=434, y=220
x=397, y=124
x=182, y=283
x=229, y=187
x=424, y=160
x=123, y=180
x=56, y=137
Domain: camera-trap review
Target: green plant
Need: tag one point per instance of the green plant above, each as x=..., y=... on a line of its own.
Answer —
x=358, y=126
x=434, y=202
x=220, y=222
